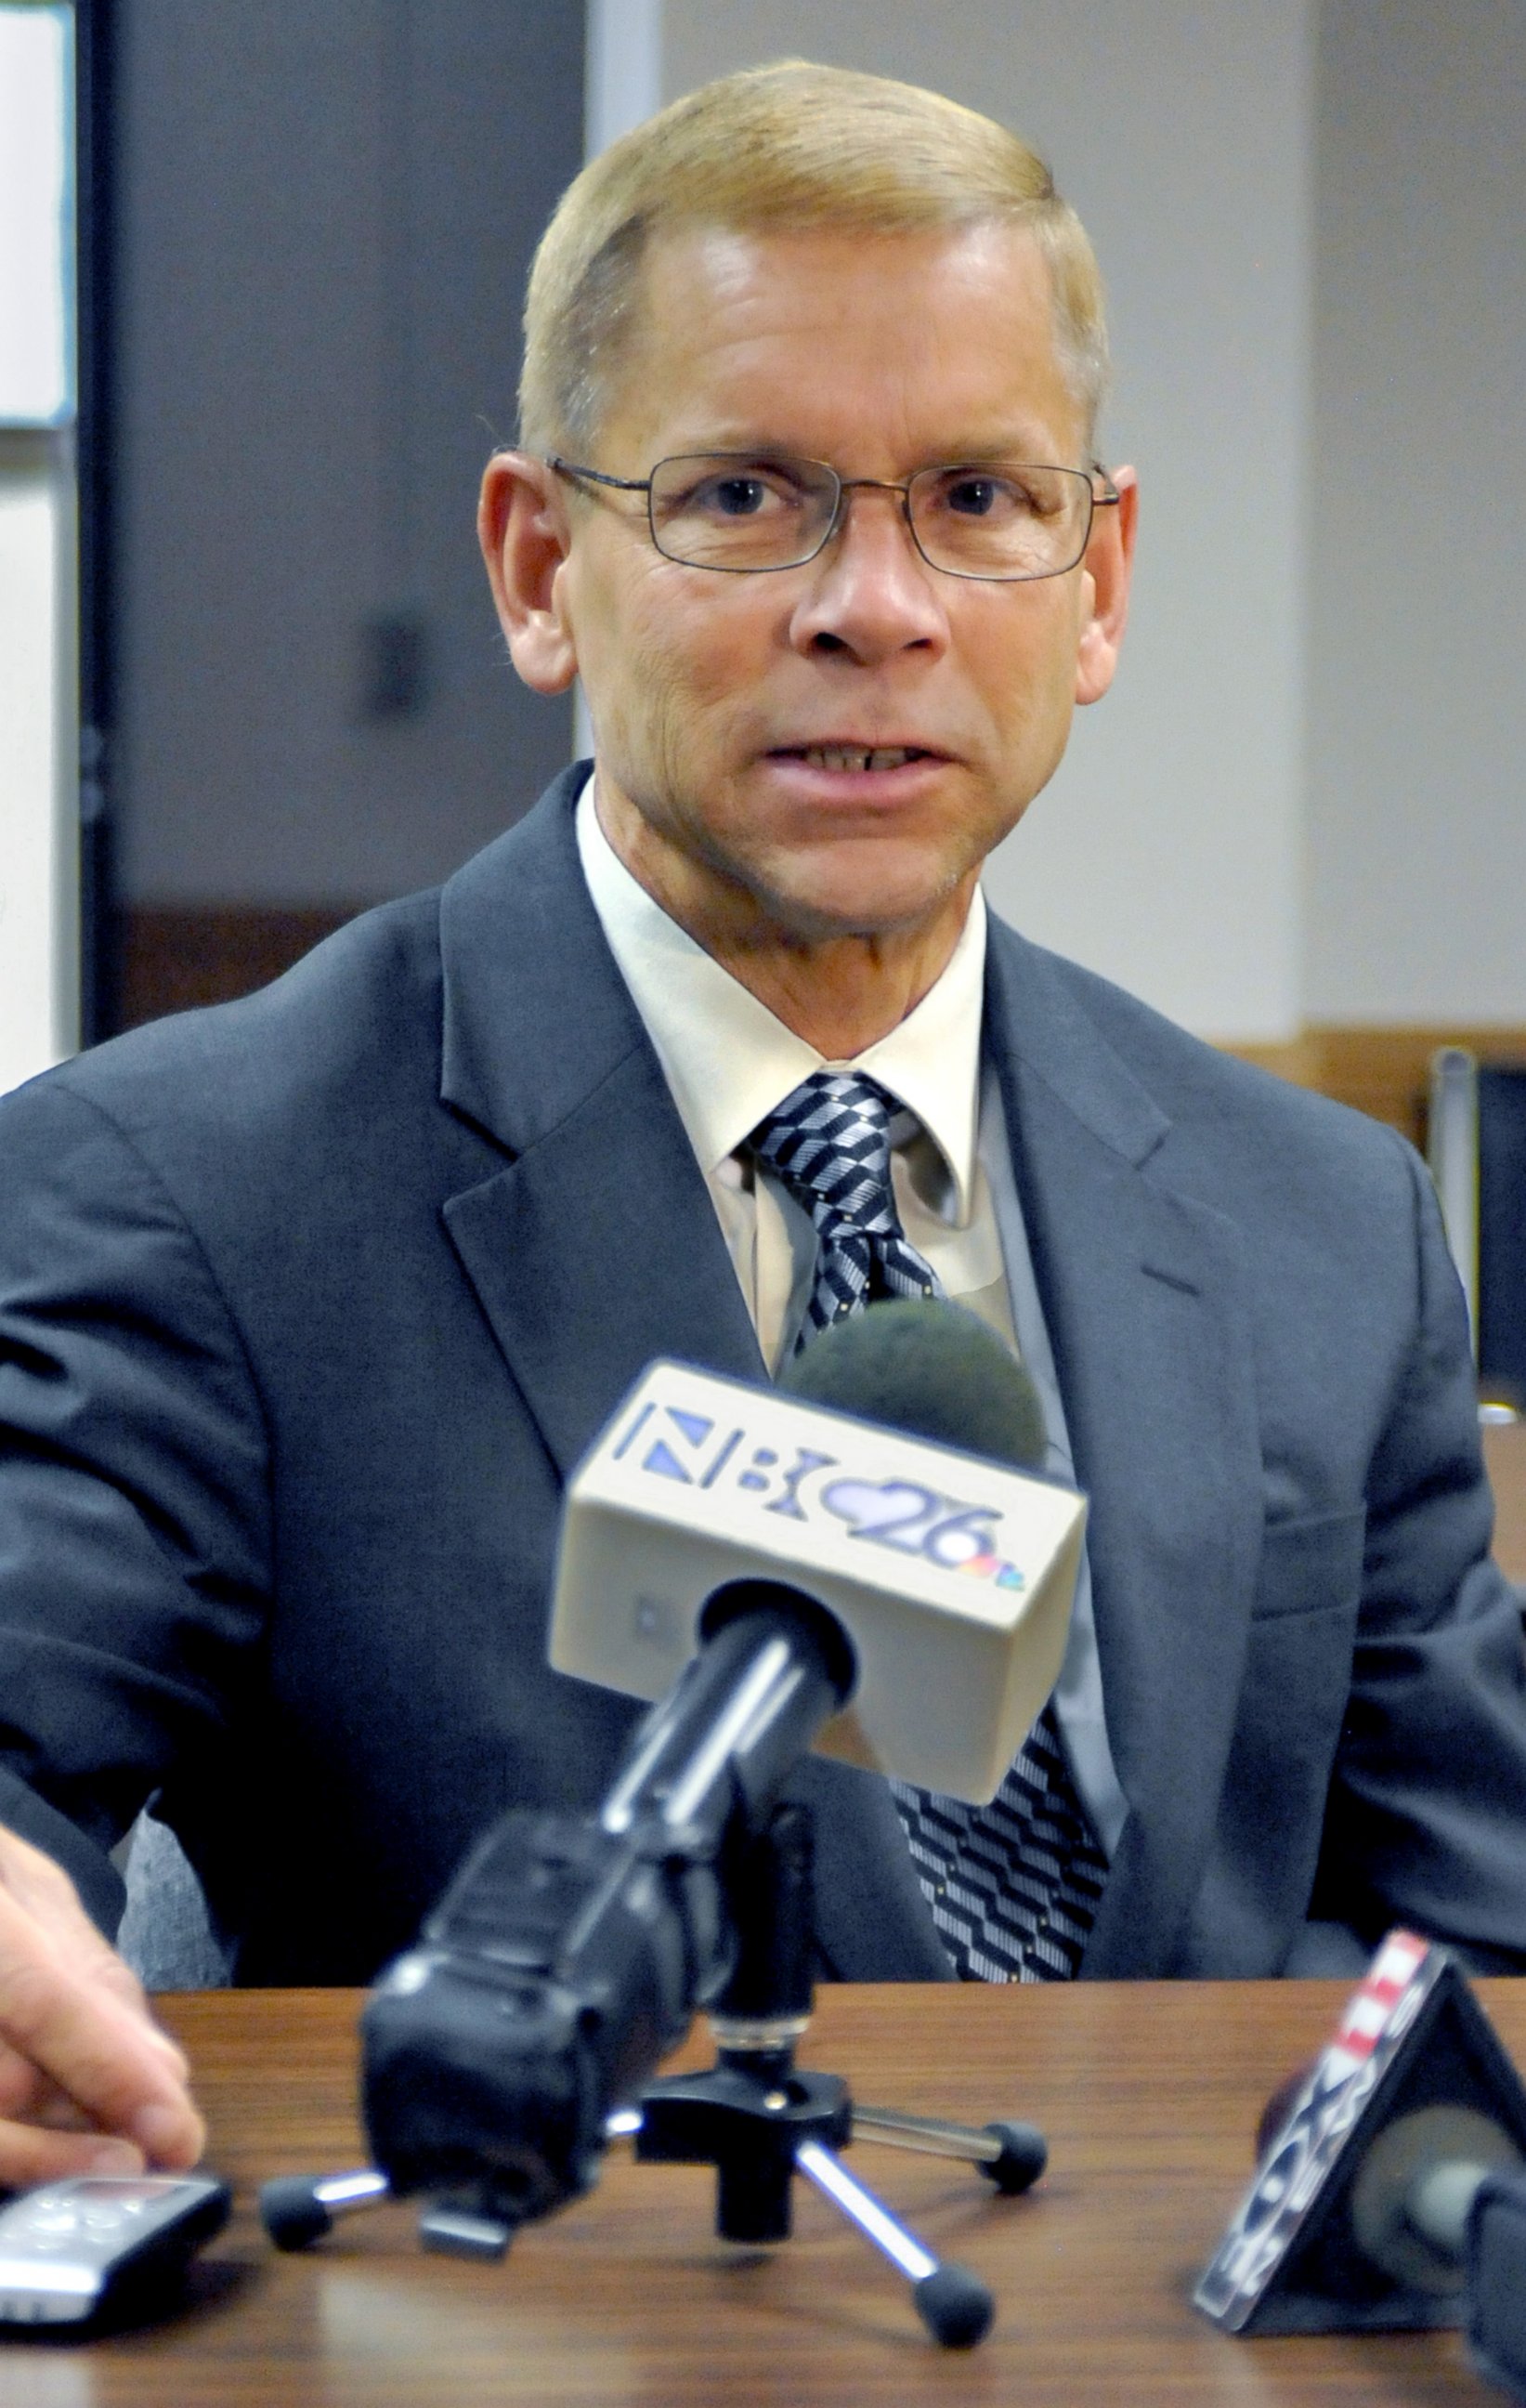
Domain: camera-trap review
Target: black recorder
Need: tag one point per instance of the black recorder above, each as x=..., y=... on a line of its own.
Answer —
x=88, y=2250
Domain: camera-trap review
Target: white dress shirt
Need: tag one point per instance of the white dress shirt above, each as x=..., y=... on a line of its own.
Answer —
x=729, y=1062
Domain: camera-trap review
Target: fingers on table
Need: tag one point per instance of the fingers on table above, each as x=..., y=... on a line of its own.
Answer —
x=75, y=2033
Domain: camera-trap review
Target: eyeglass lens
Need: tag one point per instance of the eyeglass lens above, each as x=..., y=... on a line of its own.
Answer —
x=740, y=511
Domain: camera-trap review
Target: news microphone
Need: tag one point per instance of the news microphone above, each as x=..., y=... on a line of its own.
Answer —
x=880, y=1479
x=774, y=1573
x=1389, y=2185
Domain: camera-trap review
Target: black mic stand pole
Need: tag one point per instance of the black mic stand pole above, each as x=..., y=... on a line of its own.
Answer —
x=758, y=2120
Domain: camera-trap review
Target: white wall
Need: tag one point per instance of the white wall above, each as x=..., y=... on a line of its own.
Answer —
x=39, y=590
x=1417, y=771
x=39, y=745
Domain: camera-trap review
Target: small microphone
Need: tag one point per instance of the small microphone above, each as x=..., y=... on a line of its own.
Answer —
x=1389, y=2189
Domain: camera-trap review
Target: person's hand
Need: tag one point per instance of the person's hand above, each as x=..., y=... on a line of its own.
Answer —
x=89, y=2083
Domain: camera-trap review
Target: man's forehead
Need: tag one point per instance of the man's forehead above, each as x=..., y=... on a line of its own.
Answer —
x=733, y=327
x=737, y=266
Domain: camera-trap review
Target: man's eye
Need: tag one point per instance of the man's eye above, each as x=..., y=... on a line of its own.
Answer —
x=1004, y=498
x=742, y=495
x=976, y=497
x=734, y=497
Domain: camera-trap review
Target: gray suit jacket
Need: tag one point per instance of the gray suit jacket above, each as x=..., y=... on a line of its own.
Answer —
x=308, y=1305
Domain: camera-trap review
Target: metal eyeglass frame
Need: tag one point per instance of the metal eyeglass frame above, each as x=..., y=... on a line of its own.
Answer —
x=573, y=471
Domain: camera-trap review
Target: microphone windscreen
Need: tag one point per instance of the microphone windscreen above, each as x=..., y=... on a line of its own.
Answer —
x=930, y=1368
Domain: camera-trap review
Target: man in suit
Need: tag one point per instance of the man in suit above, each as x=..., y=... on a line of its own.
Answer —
x=308, y=1306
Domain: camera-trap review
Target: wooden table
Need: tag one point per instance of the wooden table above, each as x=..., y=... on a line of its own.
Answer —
x=1149, y=2093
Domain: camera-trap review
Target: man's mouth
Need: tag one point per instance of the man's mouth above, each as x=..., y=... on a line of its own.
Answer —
x=854, y=756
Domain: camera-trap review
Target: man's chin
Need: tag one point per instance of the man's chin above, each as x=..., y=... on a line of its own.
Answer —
x=821, y=901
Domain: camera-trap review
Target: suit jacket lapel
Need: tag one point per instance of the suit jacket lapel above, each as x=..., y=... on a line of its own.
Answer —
x=1143, y=1298
x=598, y=1246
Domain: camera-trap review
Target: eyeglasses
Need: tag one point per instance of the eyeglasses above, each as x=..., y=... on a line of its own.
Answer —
x=744, y=511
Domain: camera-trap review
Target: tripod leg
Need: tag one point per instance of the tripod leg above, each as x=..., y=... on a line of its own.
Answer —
x=465, y=2227
x=299, y=2209
x=1011, y=2156
x=953, y=2304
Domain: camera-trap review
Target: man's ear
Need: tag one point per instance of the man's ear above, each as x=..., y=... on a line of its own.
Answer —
x=1108, y=566
x=521, y=524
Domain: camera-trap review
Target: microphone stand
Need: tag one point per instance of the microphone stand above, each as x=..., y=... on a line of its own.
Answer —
x=568, y=1957
x=758, y=2120
x=753, y=2114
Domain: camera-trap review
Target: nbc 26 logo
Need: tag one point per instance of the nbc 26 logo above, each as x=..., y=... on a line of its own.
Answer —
x=699, y=1451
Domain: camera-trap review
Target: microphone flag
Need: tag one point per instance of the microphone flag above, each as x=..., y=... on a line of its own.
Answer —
x=952, y=1575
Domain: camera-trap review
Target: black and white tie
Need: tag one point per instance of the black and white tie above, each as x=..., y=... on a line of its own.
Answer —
x=1013, y=1885
x=829, y=1144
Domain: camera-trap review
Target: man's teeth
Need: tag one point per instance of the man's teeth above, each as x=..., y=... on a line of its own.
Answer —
x=849, y=756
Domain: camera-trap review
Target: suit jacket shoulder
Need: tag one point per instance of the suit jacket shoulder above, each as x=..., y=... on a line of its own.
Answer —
x=1055, y=1011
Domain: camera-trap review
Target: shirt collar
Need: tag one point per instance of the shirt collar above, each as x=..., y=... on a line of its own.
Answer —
x=727, y=1059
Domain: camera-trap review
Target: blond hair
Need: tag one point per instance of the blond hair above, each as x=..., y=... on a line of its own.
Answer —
x=790, y=147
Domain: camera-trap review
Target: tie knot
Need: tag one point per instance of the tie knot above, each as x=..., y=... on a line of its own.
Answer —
x=829, y=1143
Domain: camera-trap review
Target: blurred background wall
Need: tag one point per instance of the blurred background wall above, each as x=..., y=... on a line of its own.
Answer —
x=1297, y=823
x=1415, y=801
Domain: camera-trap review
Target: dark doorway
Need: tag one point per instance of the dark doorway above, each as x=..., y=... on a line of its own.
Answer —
x=320, y=225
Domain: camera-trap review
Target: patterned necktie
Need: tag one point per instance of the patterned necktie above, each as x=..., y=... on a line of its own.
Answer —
x=829, y=1144
x=1014, y=1885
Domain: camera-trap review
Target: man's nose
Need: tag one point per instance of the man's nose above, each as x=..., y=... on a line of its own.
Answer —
x=870, y=592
